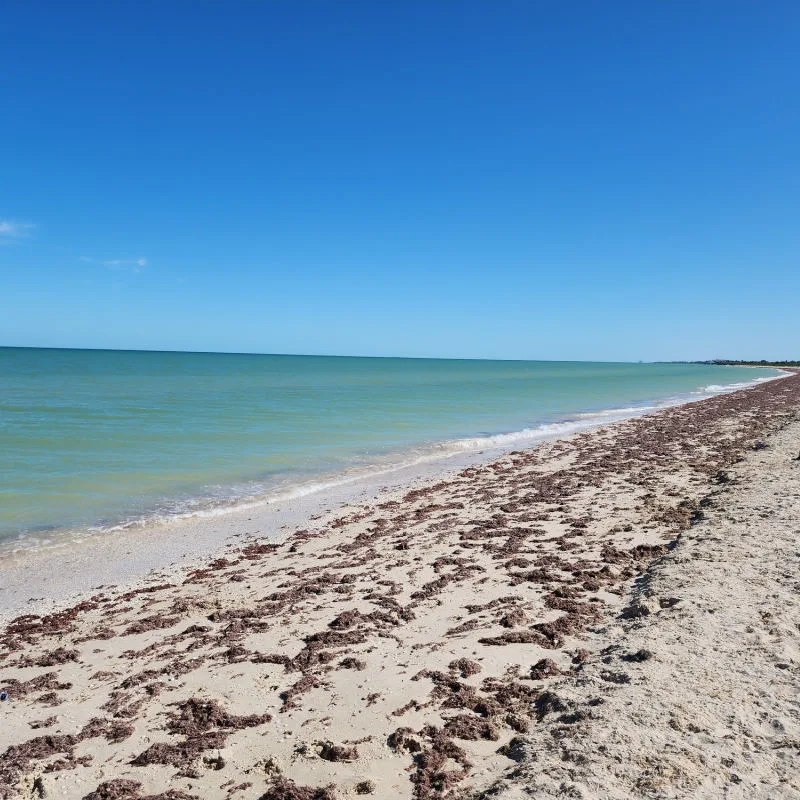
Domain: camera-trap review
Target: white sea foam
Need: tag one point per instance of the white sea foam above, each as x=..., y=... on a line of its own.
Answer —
x=717, y=388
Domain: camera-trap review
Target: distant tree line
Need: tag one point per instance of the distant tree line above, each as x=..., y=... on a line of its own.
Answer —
x=741, y=363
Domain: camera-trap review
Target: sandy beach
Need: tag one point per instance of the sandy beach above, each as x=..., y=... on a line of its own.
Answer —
x=611, y=615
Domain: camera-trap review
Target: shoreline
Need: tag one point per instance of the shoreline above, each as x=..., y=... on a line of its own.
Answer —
x=127, y=555
x=248, y=491
x=103, y=443
x=407, y=648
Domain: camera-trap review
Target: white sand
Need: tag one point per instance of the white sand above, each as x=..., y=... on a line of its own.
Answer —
x=715, y=711
x=410, y=646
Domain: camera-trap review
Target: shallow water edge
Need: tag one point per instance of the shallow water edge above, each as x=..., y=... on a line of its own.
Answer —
x=37, y=580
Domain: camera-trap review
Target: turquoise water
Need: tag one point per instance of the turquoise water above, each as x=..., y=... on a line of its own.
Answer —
x=99, y=439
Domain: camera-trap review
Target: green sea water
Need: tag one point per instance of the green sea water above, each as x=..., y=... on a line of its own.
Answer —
x=93, y=439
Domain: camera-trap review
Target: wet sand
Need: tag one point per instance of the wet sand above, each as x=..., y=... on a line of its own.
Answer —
x=433, y=642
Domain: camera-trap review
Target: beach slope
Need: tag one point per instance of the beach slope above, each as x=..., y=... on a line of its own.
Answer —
x=609, y=615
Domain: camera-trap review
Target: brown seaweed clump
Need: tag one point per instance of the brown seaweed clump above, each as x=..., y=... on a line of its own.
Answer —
x=464, y=667
x=433, y=775
x=122, y=789
x=194, y=720
x=291, y=696
x=471, y=728
x=546, y=668
x=60, y=655
x=15, y=760
x=197, y=716
x=337, y=752
x=286, y=789
x=353, y=663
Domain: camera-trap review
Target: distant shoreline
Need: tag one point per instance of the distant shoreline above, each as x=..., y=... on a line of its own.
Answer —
x=749, y=363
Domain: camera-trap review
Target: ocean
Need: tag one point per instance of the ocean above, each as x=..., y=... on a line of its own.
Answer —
x=97, y=440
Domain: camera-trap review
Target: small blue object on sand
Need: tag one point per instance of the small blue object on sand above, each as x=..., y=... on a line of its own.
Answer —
x=3, y=697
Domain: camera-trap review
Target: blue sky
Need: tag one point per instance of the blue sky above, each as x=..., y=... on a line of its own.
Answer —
x=577, y=180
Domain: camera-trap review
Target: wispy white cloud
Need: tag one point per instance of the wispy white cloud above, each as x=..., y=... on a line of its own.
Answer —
x=119, y=264
x=11, y=230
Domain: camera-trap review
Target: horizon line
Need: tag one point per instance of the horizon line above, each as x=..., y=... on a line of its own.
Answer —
x=330, y=355
x=340, y=355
